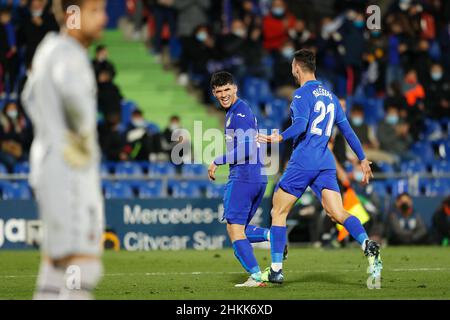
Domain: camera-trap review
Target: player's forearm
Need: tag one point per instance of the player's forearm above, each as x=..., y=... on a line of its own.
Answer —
x=296, y=129
x=352, y=139
x=239, y=154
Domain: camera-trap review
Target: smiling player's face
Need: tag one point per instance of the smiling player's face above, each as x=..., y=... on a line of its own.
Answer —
x=227, y=95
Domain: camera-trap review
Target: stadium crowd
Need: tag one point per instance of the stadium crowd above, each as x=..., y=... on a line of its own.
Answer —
x=23, y=24
x=394, y=81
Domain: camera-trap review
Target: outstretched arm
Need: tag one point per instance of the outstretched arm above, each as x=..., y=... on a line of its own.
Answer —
x=356, y=146
x=295, y=130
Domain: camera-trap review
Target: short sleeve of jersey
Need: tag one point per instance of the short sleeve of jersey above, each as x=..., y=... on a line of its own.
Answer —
x=340, y=114
x=300, y=107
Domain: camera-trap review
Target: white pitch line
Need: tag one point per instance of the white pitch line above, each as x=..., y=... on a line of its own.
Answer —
x=196, y=273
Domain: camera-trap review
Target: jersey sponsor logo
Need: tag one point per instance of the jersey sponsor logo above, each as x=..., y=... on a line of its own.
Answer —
x=241, y=115
x=297, y=97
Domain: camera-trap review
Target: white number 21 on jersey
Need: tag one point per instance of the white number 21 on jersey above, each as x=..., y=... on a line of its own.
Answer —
x=320, y=107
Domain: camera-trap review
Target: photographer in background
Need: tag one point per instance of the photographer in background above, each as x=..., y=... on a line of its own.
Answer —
x=404, y=225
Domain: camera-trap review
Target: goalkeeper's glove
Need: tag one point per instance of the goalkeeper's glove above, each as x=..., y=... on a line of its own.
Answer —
x=78, y=151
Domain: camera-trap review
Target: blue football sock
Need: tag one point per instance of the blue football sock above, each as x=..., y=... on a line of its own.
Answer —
x=256, y=234
x=278, y=238
x=355, y=228
x=243, y=251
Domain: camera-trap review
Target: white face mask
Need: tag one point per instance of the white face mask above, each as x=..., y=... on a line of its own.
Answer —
x=174, y=126
x=37, y=13
x=12, y=114
x=139, y=123
x=239, y=33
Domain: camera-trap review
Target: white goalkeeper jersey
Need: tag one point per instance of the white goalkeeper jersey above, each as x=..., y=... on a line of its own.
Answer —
x=60, y=95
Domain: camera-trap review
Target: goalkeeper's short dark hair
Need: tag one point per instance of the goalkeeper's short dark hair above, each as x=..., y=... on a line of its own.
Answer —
x=306, y=59
x=221, y=78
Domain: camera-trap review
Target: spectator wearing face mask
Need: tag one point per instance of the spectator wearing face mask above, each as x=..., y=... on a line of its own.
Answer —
x=199, y=54
x=404, y=225
x=367, y=137
x=34, y=29
x=393, y=134
x=414, y=94
x=190, y=15
x=395, y=48
x=437, y=101
x=102, y=63
x=441, y=224
x=142, y=137
x=173, y=137
x=283, y=81
x=276, y=26
x=15, y=136
x=233, y=45
x=352, y=49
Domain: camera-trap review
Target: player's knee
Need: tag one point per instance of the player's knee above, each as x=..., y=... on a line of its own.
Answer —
x=82, y=276
x=278, y=211
x=236, y=232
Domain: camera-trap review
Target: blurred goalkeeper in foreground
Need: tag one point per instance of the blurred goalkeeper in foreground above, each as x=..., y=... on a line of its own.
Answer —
x=60, y=97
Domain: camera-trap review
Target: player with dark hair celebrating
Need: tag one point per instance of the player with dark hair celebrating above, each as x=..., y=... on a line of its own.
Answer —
x=247, y=180
x=314, y=111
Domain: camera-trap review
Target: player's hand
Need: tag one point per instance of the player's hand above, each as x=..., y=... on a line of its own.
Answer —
x=77, y=153
x=273, y=138
x=367, y=171
x=212, y=171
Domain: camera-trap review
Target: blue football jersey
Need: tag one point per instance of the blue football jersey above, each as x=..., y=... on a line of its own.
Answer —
x=238, y=121
x=321, y=109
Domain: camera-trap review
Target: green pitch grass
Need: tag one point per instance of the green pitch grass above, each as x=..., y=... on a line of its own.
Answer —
x=409, y=273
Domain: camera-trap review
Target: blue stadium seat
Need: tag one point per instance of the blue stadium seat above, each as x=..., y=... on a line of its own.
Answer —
x=16, y=191
x=128, y=169
x=118, y=190
x=22, y=168
x=215, y=190
x=185, y=189
x=194, y=170
x=423, y=150
x=432, y=130
x=151, y=189
x=440, y=167
x=398, y=186
x=277, y=109
x=104, y=169
x=385, y=167
x=438, y=187
x=127, y=109
x=412, y=167
x=377, y=187
x=257, y=90
x=3, y=170
x=161, y=169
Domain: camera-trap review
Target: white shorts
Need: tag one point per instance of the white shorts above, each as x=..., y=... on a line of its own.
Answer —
x=72, y=210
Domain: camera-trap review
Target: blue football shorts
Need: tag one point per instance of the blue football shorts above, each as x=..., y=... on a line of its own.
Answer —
x=241, y=200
